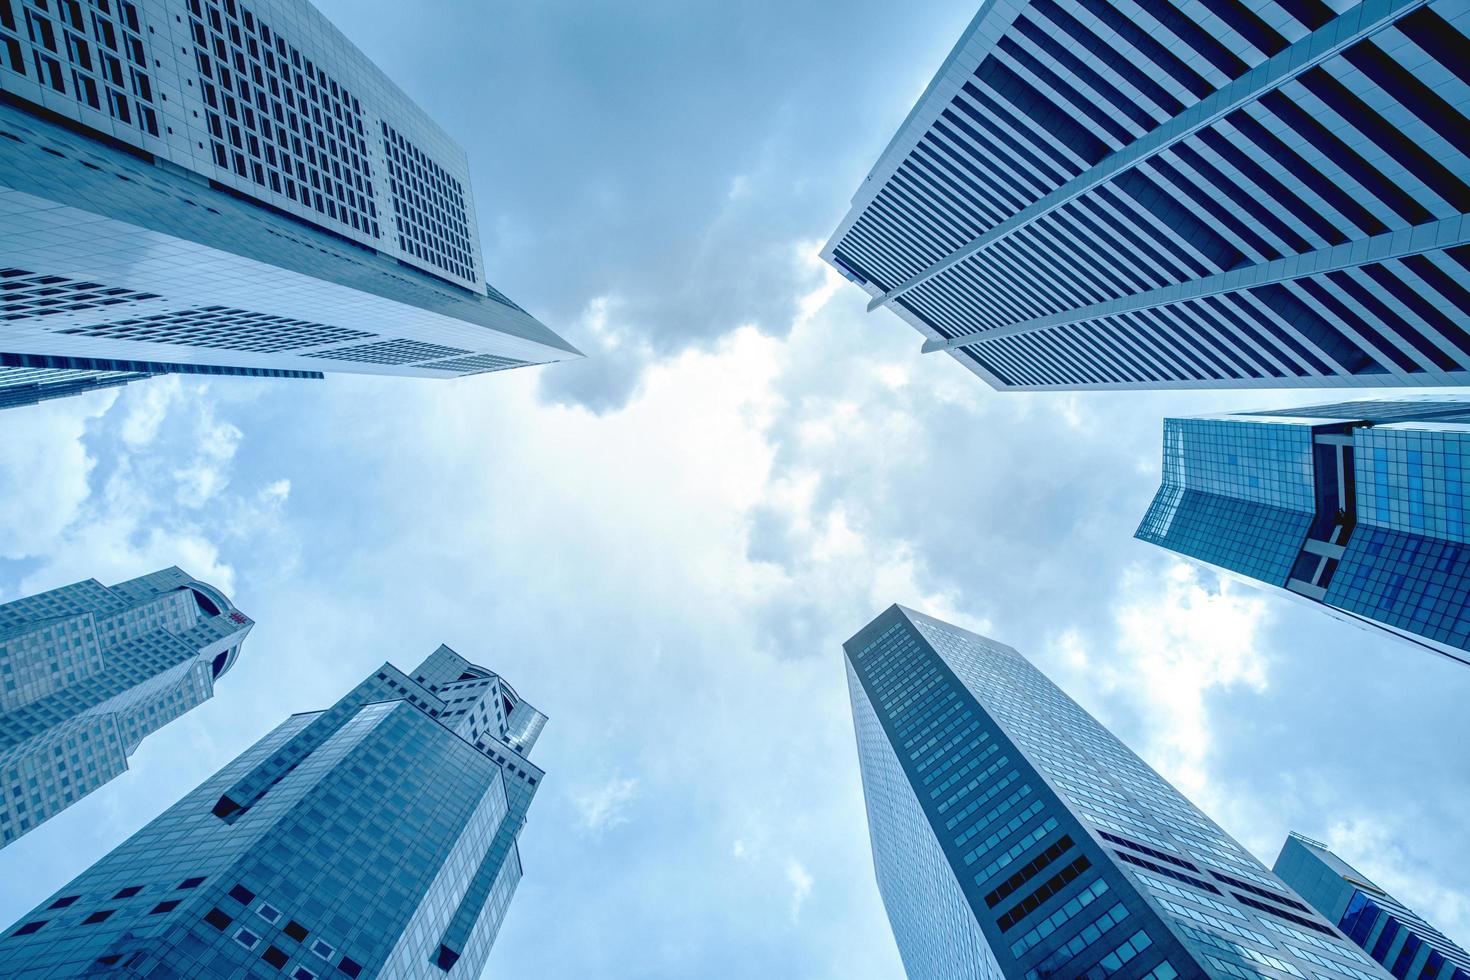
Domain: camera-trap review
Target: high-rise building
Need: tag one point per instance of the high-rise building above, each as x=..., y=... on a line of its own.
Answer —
x=1357, y=507
x=377, y=838
x=1389, y=931
x=1121, y=194
x=88, y=671
x=1014, y=836
x=222, y=187
x=28, y=386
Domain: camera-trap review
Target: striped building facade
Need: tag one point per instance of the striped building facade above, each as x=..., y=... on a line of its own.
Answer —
x=1102, y=194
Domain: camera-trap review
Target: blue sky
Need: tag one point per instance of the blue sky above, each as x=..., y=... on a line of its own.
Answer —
x=664, y=546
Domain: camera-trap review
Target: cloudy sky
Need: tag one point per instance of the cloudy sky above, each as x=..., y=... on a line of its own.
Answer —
x=665, y=545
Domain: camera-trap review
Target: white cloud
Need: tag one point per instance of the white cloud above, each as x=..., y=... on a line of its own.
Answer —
x=801, y=883
x=606, y=806
x=1180, y=637
x=277, y=492
x=149, y=404
x=45, y=470
x=104, y=497
x=215, y=441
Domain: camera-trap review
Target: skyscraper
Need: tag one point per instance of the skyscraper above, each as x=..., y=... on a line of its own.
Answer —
x=1391, y=933
x=1119, y=194
x=1358, y=507
x=87, y=672
x=232, y=188
x=28, y=386
x=1013, y=836
x=376, y=838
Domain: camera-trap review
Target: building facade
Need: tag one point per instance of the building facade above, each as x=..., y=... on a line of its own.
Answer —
x=1357, y=507
x=232, y=188
x=30, y=386
x=1015, y=837
x=376, y=838
x=88, y=671
x=1101, y=194
x=1389, y=931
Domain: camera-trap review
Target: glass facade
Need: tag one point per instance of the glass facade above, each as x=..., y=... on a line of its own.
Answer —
x=27, y=386
x=1409, y=947
x=236, y=188
x=87, y=672
x=1359, y=506
x=1013, y=836
x=376, y=838
x=1104, y=194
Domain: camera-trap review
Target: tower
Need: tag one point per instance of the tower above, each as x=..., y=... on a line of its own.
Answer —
x=1388, y=930
x=1356, y=507
x=219, y=187
x=1014, y=836
x=87, y=672
x=375, y=838
x=1108, y=194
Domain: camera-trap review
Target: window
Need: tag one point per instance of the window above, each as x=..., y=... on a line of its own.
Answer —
x=268, y=912
x=302, y=973
x=162, y=907
x=242, y=894
x=217, y=919
x=191, y=882
x=63, y=901
x=310, y=145
x=295, y=930
x=324, y=950
x=247, y=938
x=97, y=917
x=429, y=213
x=274, y=957
x=128, y=892
x=31, y=927
x=349, y=966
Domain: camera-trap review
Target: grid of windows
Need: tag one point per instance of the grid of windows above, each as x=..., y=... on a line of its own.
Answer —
x=1414, y=480
x=476, y=364
x=1416, y=583
x=25, y=294
x=1235, y=494
x=1072, y=948
x=278, y=119
x=396, y=351
x=428, y=207
x=221, y=327
x=90, y=50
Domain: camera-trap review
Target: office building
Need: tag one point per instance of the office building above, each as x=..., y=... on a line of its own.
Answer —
x=217, y=187
x=1104, y=194
x=1356, y=507
x=376, y=838
x=1014, y=836
x=29, y=386
x=87, y=672
x=1390, y=932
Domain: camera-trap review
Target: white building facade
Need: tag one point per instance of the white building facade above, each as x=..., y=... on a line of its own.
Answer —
x=210, y=186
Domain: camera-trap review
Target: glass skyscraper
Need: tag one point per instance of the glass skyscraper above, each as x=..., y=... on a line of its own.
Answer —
x=28, y=386
x=1103, y=194
x=88, y=671
x=377, y=838
x=1409, y=947
x=1359, y=507
x=221, y=187
x=1014, y=836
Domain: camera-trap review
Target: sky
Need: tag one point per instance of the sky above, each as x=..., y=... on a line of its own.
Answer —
x=664, y=546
